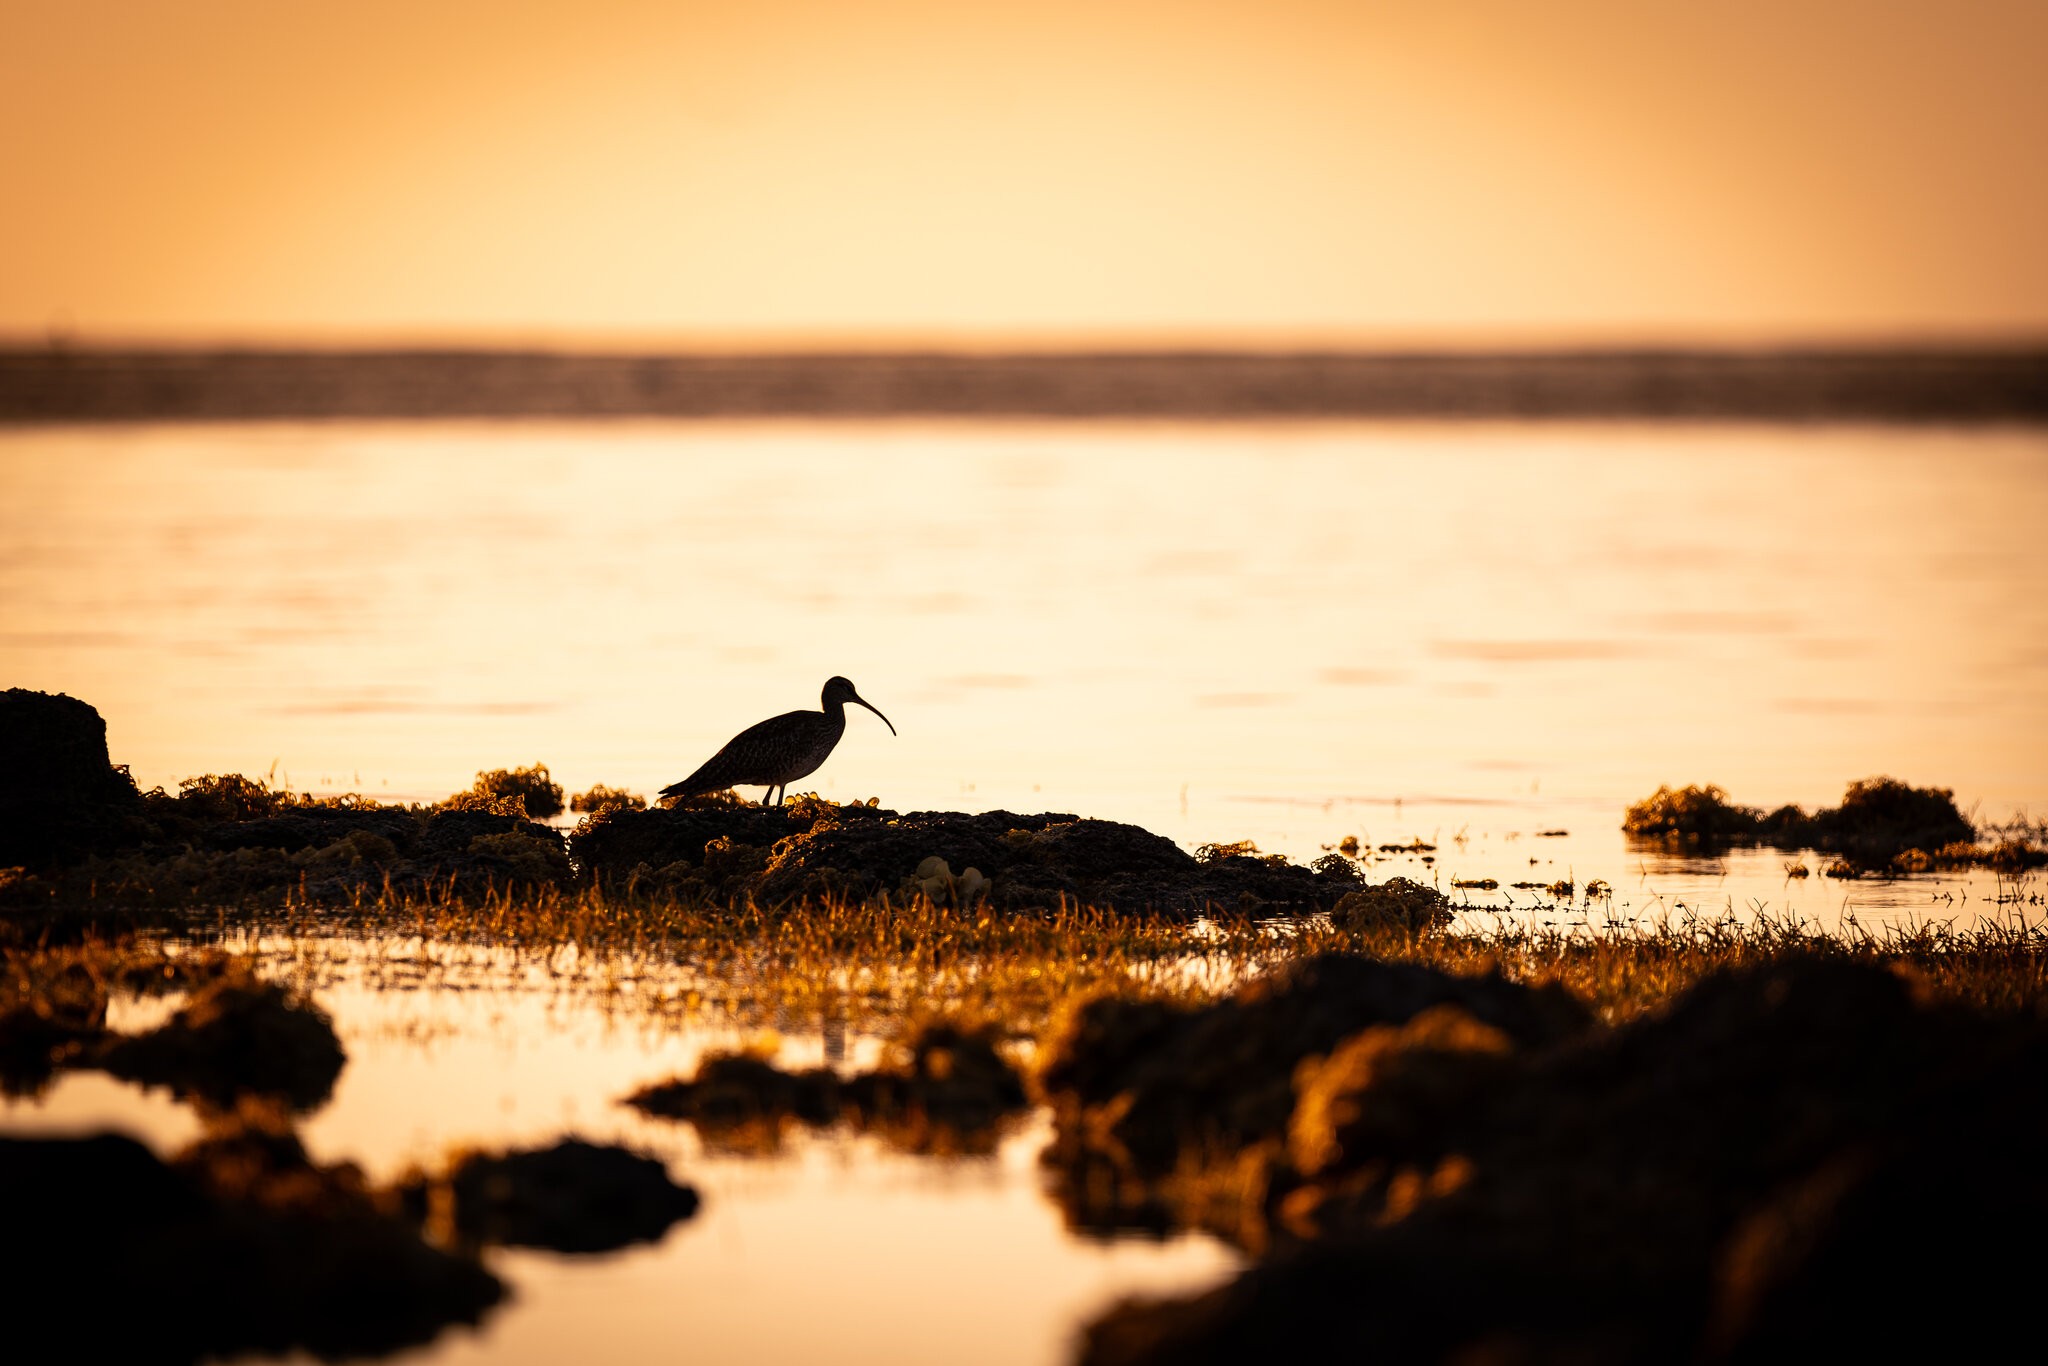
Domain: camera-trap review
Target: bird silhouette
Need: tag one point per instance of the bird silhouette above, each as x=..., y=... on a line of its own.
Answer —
x=779, y=750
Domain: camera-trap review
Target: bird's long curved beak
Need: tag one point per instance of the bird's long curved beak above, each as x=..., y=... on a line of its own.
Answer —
x=871, y=707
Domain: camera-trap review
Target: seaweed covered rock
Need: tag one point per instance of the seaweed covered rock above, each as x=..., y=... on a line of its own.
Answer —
x=235, y=1037
x=1692, y=815
x=1384, y=1092
x=1723, y=1180
x=470, y=851
x=1881, y=818
x=320, y=827
x=240, y=1245
x=1880, y=822
x=1398, y=903
x=528, y=791
x=570, y=1197
x=814, y=849
x=614, y=841
x=63, y=798
x=1152, y=1084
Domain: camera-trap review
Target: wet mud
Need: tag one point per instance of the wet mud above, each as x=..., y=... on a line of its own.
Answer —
x=1728, y=1179
x=240, y=1242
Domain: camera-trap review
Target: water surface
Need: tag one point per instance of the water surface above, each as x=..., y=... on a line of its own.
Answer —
x=834, y=1249
x=1288, y=633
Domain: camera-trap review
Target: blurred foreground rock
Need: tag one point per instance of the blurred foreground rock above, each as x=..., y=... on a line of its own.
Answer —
x=1734, y=1178
x=238, y=1245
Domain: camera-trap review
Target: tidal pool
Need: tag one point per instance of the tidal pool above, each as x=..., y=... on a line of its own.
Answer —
x=834, y=1248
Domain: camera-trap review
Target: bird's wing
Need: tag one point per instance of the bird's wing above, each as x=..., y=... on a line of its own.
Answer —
x=758, y=750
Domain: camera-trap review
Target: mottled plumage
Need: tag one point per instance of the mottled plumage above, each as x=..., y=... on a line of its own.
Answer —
x=779, y=750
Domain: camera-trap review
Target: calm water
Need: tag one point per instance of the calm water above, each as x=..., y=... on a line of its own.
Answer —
x=1287, y=633
x=1473, y=635
x=836, y=1249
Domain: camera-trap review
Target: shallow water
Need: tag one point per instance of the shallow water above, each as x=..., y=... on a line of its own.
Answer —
x=1283, y=633
x=834, y=1249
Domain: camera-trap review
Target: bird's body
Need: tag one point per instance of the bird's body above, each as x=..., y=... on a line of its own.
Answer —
x=779, y=750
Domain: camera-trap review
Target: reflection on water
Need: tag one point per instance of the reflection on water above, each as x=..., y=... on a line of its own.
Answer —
x=1283, y=633
x=835, y=1249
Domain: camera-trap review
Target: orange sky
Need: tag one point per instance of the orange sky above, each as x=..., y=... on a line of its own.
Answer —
x=1281, y=170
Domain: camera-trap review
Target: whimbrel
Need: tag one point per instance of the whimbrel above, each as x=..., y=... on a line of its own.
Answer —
x=779, y=750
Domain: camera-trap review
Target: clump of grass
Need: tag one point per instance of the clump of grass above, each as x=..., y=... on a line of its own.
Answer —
x=880, y=961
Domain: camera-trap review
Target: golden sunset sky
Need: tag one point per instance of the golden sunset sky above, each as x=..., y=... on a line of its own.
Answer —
x=781, y=170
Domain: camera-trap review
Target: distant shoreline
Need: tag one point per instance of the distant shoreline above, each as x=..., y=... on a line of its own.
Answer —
x=1926, y=385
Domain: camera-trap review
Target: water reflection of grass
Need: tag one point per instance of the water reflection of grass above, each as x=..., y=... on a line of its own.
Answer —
x=884, y=966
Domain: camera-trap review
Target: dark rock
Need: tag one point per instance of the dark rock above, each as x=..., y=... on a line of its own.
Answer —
x=1397, y=903
x=452, y=833
x=1881, y=818
x=611, y=843
x=1724, y=1180
x=572, y=1197
x=1159, y=1084
x=240, y=1246
x=235, y=1037
x=317, y=827
x=62, y=800
x=474, y=851
x=816, y=850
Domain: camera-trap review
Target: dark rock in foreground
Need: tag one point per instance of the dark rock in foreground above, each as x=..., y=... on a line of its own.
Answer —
x=238, y=1246
x=812, y=849
x=1731, y=1179
x=572, y=1197
x=1141, y=1089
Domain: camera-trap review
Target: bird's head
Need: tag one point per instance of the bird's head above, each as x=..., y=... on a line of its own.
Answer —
x=839, y=691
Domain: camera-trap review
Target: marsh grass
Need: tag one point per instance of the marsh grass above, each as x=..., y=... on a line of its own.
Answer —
x=883, y=965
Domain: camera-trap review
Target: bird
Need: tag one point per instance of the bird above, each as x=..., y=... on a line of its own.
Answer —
x=779, y=750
